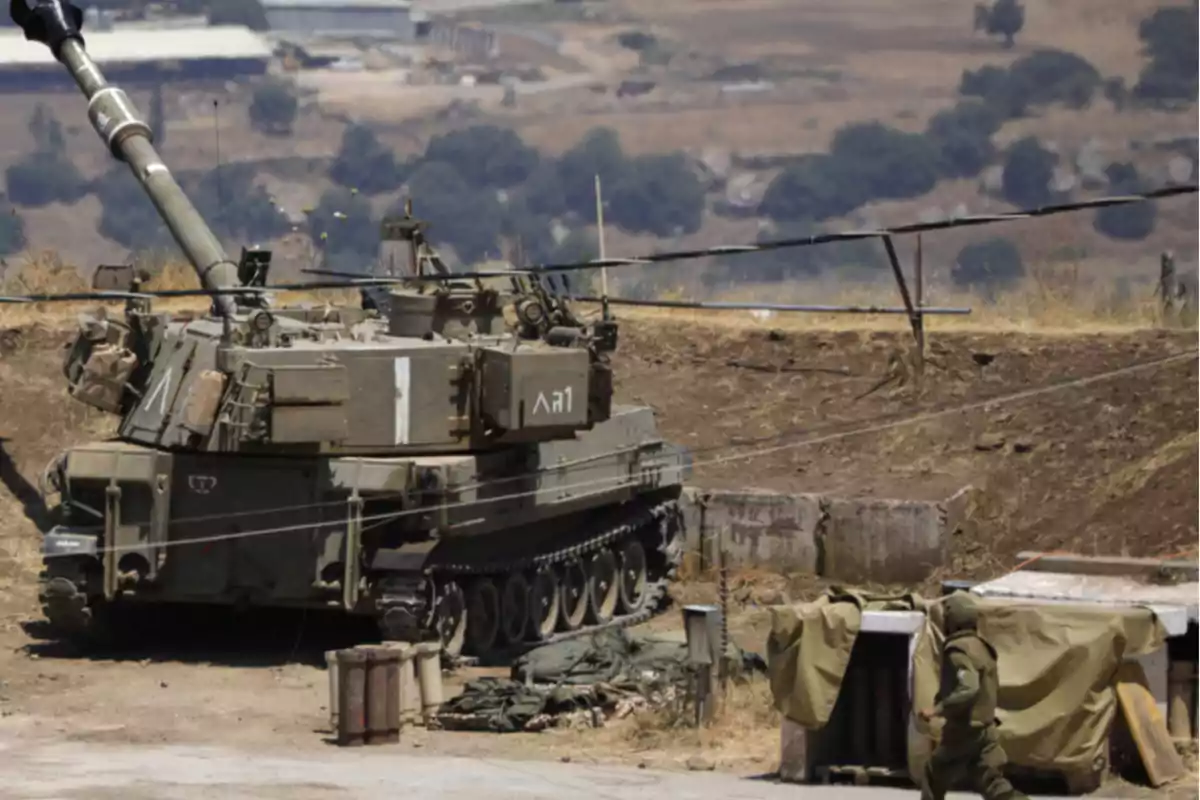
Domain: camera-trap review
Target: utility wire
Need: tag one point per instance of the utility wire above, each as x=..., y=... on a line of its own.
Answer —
x=653, y=258
x=624, y=481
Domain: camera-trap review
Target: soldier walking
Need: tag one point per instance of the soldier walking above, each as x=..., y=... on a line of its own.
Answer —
x=969, y=748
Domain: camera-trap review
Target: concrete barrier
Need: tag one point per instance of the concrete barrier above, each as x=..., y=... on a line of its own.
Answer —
x=847, y=539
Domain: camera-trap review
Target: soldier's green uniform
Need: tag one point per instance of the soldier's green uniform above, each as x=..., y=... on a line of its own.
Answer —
x=969, y=748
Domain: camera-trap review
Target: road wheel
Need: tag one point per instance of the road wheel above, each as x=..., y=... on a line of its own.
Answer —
x=573, y=595
x=544, y=603
x=514, y=609
x=603, y=589
x=451, y=620
x=633, y=577
x=483, y=616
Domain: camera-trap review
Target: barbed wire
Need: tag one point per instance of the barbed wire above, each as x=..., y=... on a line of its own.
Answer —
x=618, y=482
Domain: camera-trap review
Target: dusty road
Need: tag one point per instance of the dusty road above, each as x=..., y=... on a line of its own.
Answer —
x=35, y=768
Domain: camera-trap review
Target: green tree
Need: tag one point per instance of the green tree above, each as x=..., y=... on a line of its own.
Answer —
x=814, y=187
x=988, y=265
x=963, y=134
x=529, y=234
x=363, y=163
x=43, y=178
x=1040, y=78
x=1028, y=170
x=467, y=219
x=126, y=214
x=580, y=245
x=1054, y=76
x=274, y=108
x=485, y=155
x=233, y=205
x=343, y=228
x=1169, y=37
x=1005, y=18
x=889, y=164
x=598, y=153
x=991, y=84
x=657, y=194
x=47, y=175
x=238, y=12
x=543, y=192
x=12, y=229
x=1132, y=222
x=46, y=130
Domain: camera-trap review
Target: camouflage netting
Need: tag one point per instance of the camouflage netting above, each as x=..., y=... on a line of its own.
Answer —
x=611, y=671
x=1057, y=668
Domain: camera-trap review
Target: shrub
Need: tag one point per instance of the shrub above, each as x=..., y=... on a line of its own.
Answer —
x=363, y=163
x=963, y=135
x=988, y=265
x=12, y=229
x=1040, y=78
x=889, y=164
x=274, y=108
x=1169, y=40
x=816, y=187
x=1028, y=170
x=1131, y=222
x=598, y=153
x=485, y=155
x=45, y=177
x=658, y=194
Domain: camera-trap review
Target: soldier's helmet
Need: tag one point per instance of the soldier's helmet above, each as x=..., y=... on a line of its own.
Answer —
x=961, y=612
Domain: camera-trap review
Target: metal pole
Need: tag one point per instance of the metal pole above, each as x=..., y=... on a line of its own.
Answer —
x=600, y=241
x=723, y=595
x=894, y=260
x=920, y=312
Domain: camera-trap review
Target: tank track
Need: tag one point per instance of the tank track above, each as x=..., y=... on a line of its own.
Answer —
x=63, y=605
x=63, y=590
x=661, y=520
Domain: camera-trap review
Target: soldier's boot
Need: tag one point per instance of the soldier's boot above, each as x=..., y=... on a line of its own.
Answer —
x=934, y=783
x=989, y=780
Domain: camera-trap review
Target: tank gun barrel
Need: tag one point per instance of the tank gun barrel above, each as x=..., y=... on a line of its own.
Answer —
x=56, y=24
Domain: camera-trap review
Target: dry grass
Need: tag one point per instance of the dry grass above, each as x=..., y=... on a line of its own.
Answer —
x=1134, y=477
x=1052, y=299
x=743, y=736
x=46, y=273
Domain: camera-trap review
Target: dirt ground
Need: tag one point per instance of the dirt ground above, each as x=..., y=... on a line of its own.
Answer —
x=1107, y=466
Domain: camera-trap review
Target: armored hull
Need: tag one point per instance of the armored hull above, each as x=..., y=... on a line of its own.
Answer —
x=487, y=551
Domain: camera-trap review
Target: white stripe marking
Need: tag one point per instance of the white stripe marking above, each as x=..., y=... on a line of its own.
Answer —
x=401, y=369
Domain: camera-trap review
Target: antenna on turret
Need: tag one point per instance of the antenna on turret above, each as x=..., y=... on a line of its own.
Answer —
x=414, y=263
x=217, y=174
x=600, y=238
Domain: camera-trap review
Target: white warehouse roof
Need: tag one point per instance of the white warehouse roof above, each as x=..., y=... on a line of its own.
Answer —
x=117, y=46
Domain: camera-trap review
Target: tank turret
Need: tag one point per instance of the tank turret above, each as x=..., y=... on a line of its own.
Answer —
x=448, y=461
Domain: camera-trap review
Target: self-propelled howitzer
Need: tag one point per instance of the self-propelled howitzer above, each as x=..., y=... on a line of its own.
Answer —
x=449, y=463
